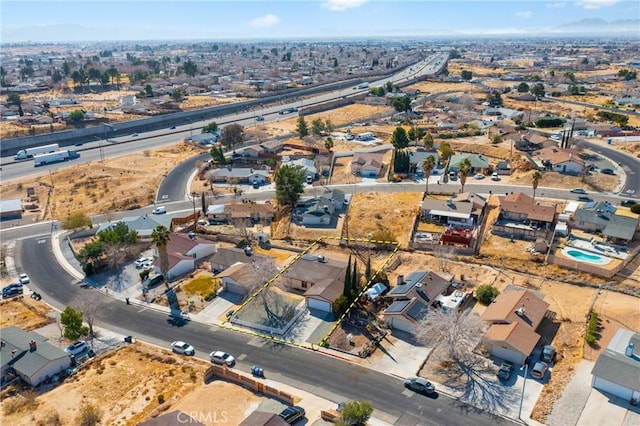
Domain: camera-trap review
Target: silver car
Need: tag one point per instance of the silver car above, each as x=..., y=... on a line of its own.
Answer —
x=219, y=357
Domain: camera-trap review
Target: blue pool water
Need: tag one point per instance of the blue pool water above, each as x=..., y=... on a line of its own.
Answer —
x=583, y=256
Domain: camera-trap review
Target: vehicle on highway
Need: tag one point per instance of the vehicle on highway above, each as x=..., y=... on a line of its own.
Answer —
x=478, y=176
x=628, y=203
x=548, y=354
x=159, y=210
x=24, y=279
x=286, y=111
x=585, y=198
x=77, y=348
x=219, y=357
x=183, y=348
x=23, y=154
x=259, y=118
x=11, y=290
x=505, y=370
x=578, y=191
x=172, y=128
x=419, y=385
x=54, y=157
x=539, y=370
x=292, y=414
x=133, y=135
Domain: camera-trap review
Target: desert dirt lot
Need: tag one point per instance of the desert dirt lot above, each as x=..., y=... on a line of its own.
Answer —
x=25, y=312
x=126, y=385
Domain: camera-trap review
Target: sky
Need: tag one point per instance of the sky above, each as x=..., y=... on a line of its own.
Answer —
x=89, y=20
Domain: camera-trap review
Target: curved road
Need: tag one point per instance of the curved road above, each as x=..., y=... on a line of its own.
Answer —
x=319, y=374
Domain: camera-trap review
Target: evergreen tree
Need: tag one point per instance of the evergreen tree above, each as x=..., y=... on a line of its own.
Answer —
x=302, y=128
x=347, y=280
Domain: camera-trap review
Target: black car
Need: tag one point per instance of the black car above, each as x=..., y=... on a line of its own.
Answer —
x=548, y=354
x=628, y=203
x=585, y=198
x=607, y=172
x=292, y=414
x=12, y=290
x=505, y=370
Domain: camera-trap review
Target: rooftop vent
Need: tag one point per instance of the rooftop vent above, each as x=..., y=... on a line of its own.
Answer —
x=629, y=351
x=520, y=312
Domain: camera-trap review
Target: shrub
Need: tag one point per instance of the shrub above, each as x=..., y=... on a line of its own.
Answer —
x=355, y=413
x=160, y=399
x=210, y=296
x=89, y=415
x=486, y=294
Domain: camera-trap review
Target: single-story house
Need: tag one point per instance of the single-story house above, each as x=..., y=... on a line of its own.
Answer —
x=183, y=251
x=215, y=212
x=514, y=316
x=242, y=175
x=479, y=163
x=460, y=210
x=11, y=209
x=306, y=164
x=521, y=217
x=143, y=225
x=317, y=212
x=603, y=217
x=366, y=164
x=224, y=257
x=310, y=271
x=617, y=370
x=28, y=355
x=561, y=160
x=248, y=214
x=417, y=157
x=241, y=278
x=413, y=297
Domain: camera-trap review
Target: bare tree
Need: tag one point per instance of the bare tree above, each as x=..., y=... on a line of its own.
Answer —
x=445, y=253
x=89, y=302
x=456, y=331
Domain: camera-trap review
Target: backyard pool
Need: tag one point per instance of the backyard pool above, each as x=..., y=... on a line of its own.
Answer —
x=583, y=256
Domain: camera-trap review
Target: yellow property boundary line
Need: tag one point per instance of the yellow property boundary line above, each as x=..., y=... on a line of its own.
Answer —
x=340, y=320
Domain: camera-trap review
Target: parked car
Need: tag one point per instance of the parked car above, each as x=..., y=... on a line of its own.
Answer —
x=153, y=281
x=219, y=357
x=77, y=348
x=607, y=172
x=548, y=354
x=539, y=370
x=578, y=191
x=142, y=261
x=419, y=385
x=478, y=176
x=494, y=176
x=505, y=370
x=183, y=348
x=11, y=290
x=292, y=414
x=585, y=198
x=24, y=279
x=628, y=203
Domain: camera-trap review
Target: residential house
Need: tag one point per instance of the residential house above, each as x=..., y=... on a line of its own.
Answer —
x=28, y=355
x=11, y=209
x=306, y=164
x=143, y=225
x=479, y=163
x=241, y=175
x=273, y=146
x=241, y=278
x=225, y=257
x=321, y=210
x=261, y=418
x=311, y=271
x=616, y=225
x=183, y=251
x=514, y=316
x=521, y=218
x=216, y=213
x=561, y=160
x=173, y=418
x=412, y=298
x=617, y=370
x=248, y=214
x=366, y=164
x=460, y=210
x=417, y=157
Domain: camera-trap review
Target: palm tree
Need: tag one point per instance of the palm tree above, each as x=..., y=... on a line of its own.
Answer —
x=463, y=171
x=536, y=176
x=428, y=164
x=160, y=237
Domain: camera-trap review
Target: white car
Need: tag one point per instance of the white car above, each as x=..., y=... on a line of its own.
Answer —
x=219, y=357
x=478, y=176
x=140, y=263
x=494, y=176
x=182, y=348
x=77, y=348
x=24, y=279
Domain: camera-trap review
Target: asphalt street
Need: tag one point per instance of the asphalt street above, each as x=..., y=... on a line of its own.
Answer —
x=322, y=375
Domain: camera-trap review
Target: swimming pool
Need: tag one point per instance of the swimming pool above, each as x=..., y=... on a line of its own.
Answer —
x=583, y=256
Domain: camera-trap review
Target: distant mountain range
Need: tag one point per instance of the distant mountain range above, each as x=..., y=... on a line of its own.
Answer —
x=600, y=26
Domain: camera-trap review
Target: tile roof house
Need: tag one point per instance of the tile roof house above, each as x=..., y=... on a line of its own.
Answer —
x=561, y=160
x=521, y=217
x=143, y=225
x=617, y=370
x=327, y=274
x=183, y=251
x=28, y=355
x=601, y=217
x=366, y=164
x=514, y=317
x=412, y=298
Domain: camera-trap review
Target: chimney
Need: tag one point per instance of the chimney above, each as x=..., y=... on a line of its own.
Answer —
x=400, y=280
x=629, y=351
x=32, y=346
x=13, y=353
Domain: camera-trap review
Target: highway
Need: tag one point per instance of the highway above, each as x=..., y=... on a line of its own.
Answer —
x=322, y=375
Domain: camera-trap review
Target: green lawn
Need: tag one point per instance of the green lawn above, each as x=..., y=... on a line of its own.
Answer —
x=201, y=285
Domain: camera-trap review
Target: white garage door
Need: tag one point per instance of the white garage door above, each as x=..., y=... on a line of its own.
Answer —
x=507, y=354
x=402, y=324
x=612, y=388
x=320, y=305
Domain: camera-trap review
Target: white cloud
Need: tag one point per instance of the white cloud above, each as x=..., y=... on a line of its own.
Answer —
x=342, y=5
x=557, y=5
x=265, y=21
x=596, y=4
x=526, y=14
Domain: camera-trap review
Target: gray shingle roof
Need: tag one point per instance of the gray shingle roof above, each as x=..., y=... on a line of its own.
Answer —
x=618, y=368
x=25, y=361
x=602, y=215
